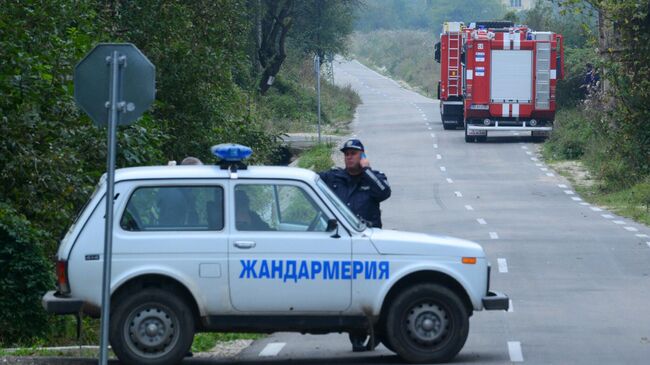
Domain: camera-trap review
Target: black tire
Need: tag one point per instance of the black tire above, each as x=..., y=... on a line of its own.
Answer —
x=468, y=138
x=448, y=126
x=148, y=311
x=424, y=305
x=385, y=340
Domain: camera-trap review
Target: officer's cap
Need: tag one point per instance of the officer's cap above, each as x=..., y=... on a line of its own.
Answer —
x=352, y=144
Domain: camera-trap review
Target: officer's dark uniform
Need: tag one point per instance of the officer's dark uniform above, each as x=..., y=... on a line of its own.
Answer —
x=361, y=193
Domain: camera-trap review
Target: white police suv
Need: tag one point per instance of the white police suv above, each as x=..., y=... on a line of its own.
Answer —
x=262, y=249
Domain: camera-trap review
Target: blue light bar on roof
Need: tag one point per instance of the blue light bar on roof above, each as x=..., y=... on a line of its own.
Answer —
x=231, y=152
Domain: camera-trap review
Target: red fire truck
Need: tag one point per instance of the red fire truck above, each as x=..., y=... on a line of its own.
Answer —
x=497, y=76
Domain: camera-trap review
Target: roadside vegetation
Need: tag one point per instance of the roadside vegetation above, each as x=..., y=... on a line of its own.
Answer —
x=403, y=54
x=601, y=139
x=227, y=71
x=318, y=158
x=396, y=37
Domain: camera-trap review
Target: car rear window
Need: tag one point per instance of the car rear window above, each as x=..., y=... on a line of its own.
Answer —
x=174, y=208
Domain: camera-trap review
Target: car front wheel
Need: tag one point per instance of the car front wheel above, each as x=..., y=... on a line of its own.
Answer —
x=427, y=323
x=151, y=326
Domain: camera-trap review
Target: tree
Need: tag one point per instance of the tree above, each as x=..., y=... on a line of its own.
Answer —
x=322, y=27
x=277, y=19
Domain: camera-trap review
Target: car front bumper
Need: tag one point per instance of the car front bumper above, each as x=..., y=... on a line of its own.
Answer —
x=55, y=303
x=496, y=301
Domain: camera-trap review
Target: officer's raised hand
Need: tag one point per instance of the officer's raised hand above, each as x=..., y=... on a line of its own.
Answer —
x=364, y=162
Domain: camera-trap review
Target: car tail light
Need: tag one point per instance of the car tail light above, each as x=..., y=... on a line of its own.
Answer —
x=62, y=277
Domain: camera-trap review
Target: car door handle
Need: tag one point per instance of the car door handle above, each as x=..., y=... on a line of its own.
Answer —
x=244, y=244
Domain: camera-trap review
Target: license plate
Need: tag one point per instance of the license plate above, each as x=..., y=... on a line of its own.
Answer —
x=476, y=132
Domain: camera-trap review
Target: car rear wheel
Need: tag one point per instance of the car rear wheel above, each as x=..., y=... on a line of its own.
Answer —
x=151, y=326
x=427, y=323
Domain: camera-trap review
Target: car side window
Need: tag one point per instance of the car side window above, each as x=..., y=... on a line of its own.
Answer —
x=277, y=207
x=174, y=208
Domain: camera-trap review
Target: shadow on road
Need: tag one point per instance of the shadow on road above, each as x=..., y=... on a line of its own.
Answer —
x=361, y=359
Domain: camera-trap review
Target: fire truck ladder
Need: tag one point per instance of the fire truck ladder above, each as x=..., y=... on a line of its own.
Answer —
x=453, y=64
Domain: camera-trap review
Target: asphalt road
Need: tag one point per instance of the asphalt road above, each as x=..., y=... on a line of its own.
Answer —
x=578, y=276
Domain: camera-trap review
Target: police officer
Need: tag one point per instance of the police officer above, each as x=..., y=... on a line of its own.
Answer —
x=360, y=187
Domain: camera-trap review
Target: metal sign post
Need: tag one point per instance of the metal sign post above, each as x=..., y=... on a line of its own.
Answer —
x=117, y=63
x=317, y=71
x=103, y=75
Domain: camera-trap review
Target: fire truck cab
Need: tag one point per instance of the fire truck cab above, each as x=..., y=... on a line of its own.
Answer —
x=497, y=76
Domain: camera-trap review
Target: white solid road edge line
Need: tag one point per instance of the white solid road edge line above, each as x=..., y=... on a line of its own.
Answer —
x=272, y=349
x=514, y=350
x=503, y=265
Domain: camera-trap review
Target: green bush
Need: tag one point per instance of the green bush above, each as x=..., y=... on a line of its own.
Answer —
x=25, y=275
x=569, y=93
x=573, y=132
x=319, y=158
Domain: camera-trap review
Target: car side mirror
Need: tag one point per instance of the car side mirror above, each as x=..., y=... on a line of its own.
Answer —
x=333, y=224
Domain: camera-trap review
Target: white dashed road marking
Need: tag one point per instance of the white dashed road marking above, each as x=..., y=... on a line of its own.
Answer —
x=433, y=135
x=439, y=157
x=272, y=349
x=607, y=216
x=534, y=159
x=469, y=207
x=450, y=181
x=481, y=221
x=575, y=198
x=442, y=168
x=494, y=236
x=568, y=192
x=503, y=265
x=641, y=235
x=619, y=222
x=561, y=186
x=510, y=307
x=549, y=174
x=458, y=194
x=631, y=229
x=596, y=209
x=514, y=349
x=529, y=153
x=435, y=145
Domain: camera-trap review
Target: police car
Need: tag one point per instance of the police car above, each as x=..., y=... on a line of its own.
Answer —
x=262, y=249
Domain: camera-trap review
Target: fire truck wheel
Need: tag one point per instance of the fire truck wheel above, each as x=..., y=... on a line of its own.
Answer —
x=448, y=126
x=468, y=138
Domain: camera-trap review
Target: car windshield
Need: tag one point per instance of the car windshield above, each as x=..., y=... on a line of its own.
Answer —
x=347, y=213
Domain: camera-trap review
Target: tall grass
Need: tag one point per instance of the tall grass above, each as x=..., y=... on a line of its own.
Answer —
x=405, y=55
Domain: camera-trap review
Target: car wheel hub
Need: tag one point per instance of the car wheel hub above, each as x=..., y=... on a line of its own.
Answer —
x=427, y=323
x=151, y=331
